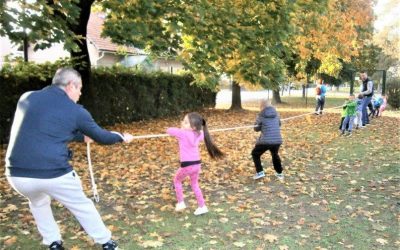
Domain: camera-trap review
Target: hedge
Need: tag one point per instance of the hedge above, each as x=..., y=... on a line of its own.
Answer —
x=119, y=96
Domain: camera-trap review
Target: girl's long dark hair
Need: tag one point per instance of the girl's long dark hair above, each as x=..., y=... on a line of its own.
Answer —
x=197, y=122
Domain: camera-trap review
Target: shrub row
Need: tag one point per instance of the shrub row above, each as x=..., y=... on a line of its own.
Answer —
x=118, y=95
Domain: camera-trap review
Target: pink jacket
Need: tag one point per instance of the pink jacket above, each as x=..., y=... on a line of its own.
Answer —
x=189, y=141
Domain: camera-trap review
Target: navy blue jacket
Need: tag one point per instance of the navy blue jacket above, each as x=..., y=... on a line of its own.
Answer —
x=268, y=122
x=45, y=122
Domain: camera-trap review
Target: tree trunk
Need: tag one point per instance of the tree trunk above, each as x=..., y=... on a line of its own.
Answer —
x=276, y=97
x=26, y=46
x=80, y=29
x=304, y=90
x=82, y=55
x=236, y=97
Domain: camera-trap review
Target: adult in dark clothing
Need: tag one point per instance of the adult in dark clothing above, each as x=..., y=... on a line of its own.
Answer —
x=268, y=122
x=367, y=93
x=37, y=156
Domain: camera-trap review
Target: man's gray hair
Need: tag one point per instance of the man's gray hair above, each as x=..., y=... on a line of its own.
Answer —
x=64, y=76
x=265, y=103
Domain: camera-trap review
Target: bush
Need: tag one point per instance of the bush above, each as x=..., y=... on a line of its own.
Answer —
x=117, y=95
x=393, y=92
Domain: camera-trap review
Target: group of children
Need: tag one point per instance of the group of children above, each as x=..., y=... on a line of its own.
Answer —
x=194, y=129
x=352, y=112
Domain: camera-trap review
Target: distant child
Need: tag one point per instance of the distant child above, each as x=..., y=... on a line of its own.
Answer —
x=320, y=92
x=350, y=114
x=358, y=120
x=377, y=102
x=268, y=122
x=343, y=116
x=383, y=105
x=193, y=130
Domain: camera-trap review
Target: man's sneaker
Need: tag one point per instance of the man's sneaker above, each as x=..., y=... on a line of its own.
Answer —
x=342, y=132
x=280, y=176
x=56, y=245
x=316, y=113
x=201, y=210
x=259, y=175
x=348, y=134
x=180, y=206
x=110, y=245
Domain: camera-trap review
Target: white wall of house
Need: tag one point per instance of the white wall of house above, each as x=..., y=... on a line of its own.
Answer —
x=97, y=58
x=7, y=48
x=52, y=54
x=108, y=60
x=165, y=65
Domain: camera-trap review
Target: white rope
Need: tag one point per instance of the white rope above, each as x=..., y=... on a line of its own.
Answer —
x=94, y=187
x=227, y=129
x=96, y=196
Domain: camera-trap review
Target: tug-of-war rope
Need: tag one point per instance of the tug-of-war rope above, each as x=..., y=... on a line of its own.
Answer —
x=96, y=196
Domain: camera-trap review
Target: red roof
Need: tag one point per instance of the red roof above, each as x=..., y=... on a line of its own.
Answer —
x=94, y=29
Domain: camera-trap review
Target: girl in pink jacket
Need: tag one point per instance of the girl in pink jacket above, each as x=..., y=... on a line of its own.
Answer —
x=193, y=130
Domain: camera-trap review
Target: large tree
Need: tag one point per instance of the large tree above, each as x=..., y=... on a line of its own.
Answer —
x=244, y=39
x=333, y=33
x=44, y=22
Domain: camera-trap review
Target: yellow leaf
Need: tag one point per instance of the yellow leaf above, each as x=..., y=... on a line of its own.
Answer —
x=10, y=208
x=224, y=220
x=239, y=244
x=119, y=208
x=151, y=243
x=10, y=241
x=213, y=242
x=270, y=237
x=381, y=241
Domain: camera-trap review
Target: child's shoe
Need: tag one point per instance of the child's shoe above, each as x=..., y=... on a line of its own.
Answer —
x=280, y=176
x=110, y=245
x=259, y=175
x=201, y=210
x=180, y=206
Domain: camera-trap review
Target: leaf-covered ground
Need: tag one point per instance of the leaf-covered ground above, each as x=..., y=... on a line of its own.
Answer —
x=339, y=192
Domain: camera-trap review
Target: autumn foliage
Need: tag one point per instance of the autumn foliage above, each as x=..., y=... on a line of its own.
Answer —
x=325, y=189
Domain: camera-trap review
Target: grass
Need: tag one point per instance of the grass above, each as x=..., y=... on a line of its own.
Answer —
x=339, y=193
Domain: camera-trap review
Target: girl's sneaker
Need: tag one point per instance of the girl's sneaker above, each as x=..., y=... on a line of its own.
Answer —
x=280, y=176
x=201, y=210
x=180, y=206
x=259, y=175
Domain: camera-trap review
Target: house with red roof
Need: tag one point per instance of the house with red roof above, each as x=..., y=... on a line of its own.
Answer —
x=102, y=51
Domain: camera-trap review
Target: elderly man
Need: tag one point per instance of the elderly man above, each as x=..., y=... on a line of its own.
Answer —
x=367, y=91
x=37, y=156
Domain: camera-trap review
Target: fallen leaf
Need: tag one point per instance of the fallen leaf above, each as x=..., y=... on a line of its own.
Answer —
x=239, y=244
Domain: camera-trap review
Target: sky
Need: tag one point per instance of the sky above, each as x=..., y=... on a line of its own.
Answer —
x=386, y=16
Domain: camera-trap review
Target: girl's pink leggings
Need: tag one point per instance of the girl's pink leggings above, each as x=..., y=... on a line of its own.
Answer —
x=193, y=172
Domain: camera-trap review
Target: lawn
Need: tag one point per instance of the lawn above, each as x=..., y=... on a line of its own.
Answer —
x=338, y=193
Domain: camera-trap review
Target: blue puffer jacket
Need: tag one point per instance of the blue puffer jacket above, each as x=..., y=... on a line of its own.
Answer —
x=44, y=123
x=268, y=122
